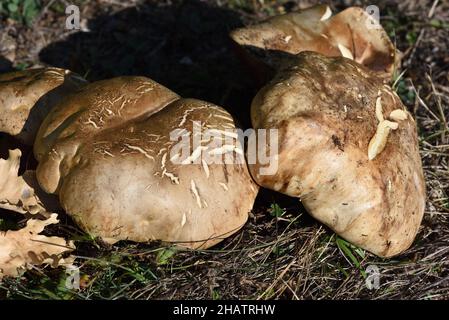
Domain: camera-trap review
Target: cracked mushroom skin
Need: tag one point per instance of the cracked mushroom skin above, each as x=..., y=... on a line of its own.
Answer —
x=350, y=33
x=27, y=96
x=108, y=153
x=353, y=170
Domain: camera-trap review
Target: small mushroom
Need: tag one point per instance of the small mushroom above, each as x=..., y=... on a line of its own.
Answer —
x=369, y=190
x=350, y=33
x=129, y=160
x=27, y=96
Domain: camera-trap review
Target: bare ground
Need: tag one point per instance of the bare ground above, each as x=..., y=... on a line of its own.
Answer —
x=281, y=252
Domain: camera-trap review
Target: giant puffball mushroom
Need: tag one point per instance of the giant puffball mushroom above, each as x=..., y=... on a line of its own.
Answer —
x=354, y=168
x=352, y=33
x=27, y=96
x=112, y=154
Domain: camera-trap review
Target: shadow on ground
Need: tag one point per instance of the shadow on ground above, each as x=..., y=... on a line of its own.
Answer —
x=182, y=46
x=5, y=65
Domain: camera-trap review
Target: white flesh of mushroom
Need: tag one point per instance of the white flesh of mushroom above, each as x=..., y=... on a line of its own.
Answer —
x=345, y=52
x=326, y=14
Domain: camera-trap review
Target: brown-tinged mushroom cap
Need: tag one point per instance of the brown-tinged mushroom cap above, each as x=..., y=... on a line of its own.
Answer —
x=350, y=33
x=27, y=96
x=355, y=169
x=108, y=153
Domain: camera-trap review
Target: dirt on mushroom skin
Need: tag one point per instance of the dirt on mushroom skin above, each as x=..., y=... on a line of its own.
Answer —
x=325, y=108
x=312, y=30
x=27, y=96
x=107, y=152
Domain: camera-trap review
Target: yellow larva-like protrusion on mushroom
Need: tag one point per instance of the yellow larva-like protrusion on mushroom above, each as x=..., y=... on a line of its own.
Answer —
x=378, y=142
x=345, y=52
x=379, y=112
x=398, y=115
x=391, y=124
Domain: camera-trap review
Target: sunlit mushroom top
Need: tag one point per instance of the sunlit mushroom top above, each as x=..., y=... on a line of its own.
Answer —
x=352, y=33
x=27, y=96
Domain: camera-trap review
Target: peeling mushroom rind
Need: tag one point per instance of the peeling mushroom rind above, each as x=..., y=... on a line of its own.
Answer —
x=377, y=205
x=27, y=96
x=108, y=154
x=345, y=34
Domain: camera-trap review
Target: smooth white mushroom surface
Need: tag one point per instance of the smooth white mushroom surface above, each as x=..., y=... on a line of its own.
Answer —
x=351, y=33
x=114, y=154
x=27, y=96
x=353, y=169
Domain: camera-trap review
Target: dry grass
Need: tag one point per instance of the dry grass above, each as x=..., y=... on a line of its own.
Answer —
x=281, y=253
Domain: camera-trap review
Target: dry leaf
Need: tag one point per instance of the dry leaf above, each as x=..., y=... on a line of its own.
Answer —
x=15, y=193
x=25, y=247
